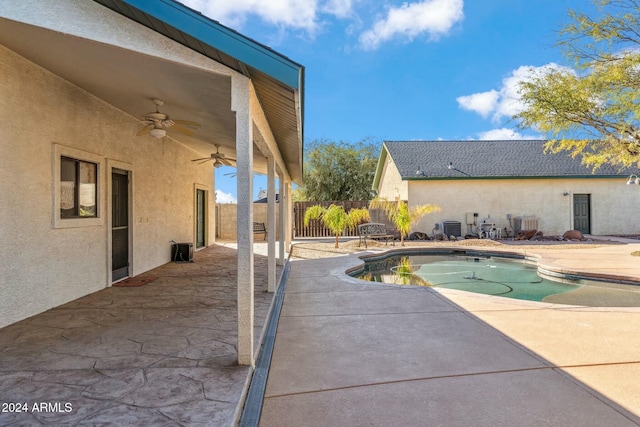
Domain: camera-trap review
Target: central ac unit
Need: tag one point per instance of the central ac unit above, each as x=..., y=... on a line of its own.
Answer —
x=530, y=223
x=452, y=228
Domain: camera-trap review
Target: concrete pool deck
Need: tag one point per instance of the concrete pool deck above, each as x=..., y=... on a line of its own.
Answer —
x=349, y=353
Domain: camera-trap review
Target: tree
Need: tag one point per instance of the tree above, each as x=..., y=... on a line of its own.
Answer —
x=338, y=171
x=335, y=218
x=401, y=215
x=594, y=110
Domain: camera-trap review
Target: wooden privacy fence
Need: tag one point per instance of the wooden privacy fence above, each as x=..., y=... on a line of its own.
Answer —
x=317, y=229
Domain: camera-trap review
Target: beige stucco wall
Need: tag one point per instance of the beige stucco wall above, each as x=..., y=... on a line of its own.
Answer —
x=391, y=184
x=43, y=266
x=613, y=204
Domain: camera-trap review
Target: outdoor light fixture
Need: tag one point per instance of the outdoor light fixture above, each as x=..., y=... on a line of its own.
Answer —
x=158, y=133
x=217, y=164
x=453, y=168
x=633, y=179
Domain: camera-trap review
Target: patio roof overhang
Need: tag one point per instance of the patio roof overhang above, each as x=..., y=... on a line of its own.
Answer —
x=129, y=79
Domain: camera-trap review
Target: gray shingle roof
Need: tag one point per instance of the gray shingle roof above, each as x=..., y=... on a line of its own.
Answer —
x=488, y=159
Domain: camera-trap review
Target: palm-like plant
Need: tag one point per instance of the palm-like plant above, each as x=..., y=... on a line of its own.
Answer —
x=400, y=215
x=335, y=218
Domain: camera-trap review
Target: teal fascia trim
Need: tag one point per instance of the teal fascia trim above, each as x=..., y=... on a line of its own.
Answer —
x=224, y=39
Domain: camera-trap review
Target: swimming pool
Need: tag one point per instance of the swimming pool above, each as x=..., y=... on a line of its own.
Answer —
x=511, y=277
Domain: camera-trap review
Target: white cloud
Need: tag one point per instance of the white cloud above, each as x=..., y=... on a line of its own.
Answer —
x=222, y=197
x=296, y=14
x=433, y=17
x=503, y=134
x=482, y=103
x=338, y=8
x=505, y=101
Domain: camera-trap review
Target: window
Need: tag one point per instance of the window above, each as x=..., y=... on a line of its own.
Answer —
x=78, y=188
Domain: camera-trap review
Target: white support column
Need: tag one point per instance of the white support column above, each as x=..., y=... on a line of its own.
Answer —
x=244, y=156
x=271, y=223
x=282, y=220
x=289, y=208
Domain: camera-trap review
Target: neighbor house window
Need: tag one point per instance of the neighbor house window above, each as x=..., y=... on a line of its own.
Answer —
x=78, y=188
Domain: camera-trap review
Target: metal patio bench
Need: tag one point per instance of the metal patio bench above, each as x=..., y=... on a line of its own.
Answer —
x=259, y=227
x=375, y=231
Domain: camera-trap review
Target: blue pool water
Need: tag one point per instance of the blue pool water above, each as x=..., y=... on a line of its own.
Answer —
x=485, y=275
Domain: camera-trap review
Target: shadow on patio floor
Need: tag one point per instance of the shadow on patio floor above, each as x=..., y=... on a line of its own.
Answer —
x=160, y=354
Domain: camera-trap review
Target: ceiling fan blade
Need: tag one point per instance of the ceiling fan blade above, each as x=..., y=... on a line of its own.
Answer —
x=187, y=123
x=226, y=162
x=145, y=130
x=204, y=158
x=182, y=129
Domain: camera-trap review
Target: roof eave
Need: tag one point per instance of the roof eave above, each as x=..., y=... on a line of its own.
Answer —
x=216, y=35
x=475, y=178
x=379, y=166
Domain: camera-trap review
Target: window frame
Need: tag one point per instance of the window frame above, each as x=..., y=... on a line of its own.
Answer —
x=60, y=152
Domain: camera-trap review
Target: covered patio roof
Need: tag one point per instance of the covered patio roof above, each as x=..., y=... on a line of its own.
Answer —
x=129, y=79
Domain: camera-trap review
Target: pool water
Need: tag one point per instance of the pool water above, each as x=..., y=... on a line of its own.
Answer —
x=491, y=276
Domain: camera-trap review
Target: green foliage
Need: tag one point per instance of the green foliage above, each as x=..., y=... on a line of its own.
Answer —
x=338, y=171
x=335, y=218
x=594, y=112
x=401, y=215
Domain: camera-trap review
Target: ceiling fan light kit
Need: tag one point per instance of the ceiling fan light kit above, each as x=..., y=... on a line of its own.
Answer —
x=157, y=123
x=158, y=133
x=220, y=158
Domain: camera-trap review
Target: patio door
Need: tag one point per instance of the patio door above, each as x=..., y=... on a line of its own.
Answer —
x=200, y=218
x=119, y=224
x=582, y=213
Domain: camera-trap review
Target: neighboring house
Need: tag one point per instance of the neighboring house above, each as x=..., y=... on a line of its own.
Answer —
x=89, y=192
x=512, y=185
x=262, y=197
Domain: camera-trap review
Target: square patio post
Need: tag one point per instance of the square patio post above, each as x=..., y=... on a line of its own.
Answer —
x=289, y=208
x=240, y=103
x=282, y=218
x=271, y=223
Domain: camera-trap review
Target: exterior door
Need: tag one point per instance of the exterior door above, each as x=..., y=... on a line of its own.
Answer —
x=200, y=219
x=582, y=213
x=119, y=225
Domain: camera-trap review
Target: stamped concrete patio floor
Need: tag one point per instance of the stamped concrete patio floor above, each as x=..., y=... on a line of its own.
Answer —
x=161, y=354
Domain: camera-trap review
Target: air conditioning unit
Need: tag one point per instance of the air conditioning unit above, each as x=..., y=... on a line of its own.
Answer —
x=452, y=228
x=517, y=224
x=530, y=223
x=521, y=223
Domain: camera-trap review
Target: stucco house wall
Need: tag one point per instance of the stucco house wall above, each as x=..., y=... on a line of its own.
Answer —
x=45, y=264
x=391, y=183
x=550, y=200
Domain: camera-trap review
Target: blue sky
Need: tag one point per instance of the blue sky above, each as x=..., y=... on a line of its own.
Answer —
x=394, y=70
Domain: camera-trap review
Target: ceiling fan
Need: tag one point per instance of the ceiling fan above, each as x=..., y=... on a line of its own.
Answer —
x=220, y=158
x=157, y=123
